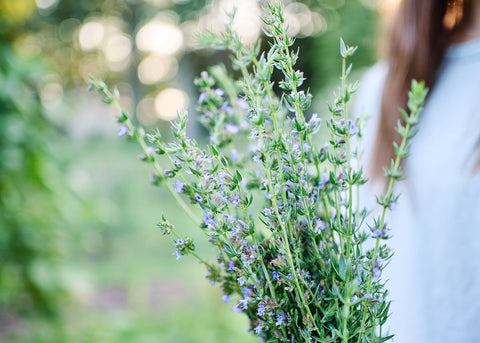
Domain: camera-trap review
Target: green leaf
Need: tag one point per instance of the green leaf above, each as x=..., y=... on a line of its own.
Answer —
x=343, y=48
x=214, y=151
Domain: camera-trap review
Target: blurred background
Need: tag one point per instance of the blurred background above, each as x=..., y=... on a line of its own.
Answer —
x=80, y=258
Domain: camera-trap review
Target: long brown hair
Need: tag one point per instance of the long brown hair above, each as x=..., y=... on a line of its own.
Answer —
x=415, y=46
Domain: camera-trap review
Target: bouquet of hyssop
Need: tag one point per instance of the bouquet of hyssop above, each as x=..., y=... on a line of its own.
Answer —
x=282, y=212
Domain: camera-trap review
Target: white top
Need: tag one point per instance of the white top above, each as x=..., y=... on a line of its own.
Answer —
x=435, y=272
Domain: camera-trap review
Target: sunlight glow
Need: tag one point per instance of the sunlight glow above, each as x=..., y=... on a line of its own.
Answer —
x=170, y=101
x=45, y=4
x=160, y=37
x=91, y=35
x=155, y=68
x=117, y=48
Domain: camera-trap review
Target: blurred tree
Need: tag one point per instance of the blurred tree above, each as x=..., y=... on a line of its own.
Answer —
x=31, y=224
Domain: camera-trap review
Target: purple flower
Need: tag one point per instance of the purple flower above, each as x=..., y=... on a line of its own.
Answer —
x=261, y=310
x=123, y=131
x=353, y=129
x=231, y=265
x=325, y=178
x=149, y=150
x=246, y=291
x=256, y=159
x=275, y=275
x=241, y=280
x=243, y=303
x=176, y=161
x=232, y=129
x=178, y=254
x=235, y=200
x=321, y=225
x=202, y=98
x=198, y=197
x=219, y=92
x=242, y=104
x=209, y=219
x=227, y=108
x=258, y=329
x=226, y=298
x=179, y=186
x=236, y=308
x=376, y=274
x=253, y=134
x=280, y=319
x=314, y=121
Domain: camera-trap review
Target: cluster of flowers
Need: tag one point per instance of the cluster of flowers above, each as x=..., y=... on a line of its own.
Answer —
x=279, y=209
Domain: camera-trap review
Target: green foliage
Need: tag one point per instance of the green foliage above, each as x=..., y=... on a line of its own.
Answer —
x=31, y=227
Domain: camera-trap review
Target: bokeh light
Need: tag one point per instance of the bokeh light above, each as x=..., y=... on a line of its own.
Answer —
x=161, y=37
x=45, y=4
x=155, y=68
x=91, y=35
x=170, y=101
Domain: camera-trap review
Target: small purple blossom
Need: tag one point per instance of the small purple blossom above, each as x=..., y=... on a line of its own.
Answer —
x=209, y=219
x=231, y=128
x=241, y=280
x=202, y=98
x=198, y=197
x=178, y=254
x=235, y=200
x=179, y=186
x=226, y=298
x=246, y=291
x=258, y=329
x=376, y=233
x=149, y=150
x=261, y=310
x=176, y=161
x=314, y=122
x=123, y=131
x=275, y=275
x=219, y=92
x=376, y=274
x=227, y=108
x=325, y=178
x=243, y=303
x=242, y=104
x=353, y=129
x=280, y=320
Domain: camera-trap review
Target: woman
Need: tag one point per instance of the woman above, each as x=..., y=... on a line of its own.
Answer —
x=435, y=272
